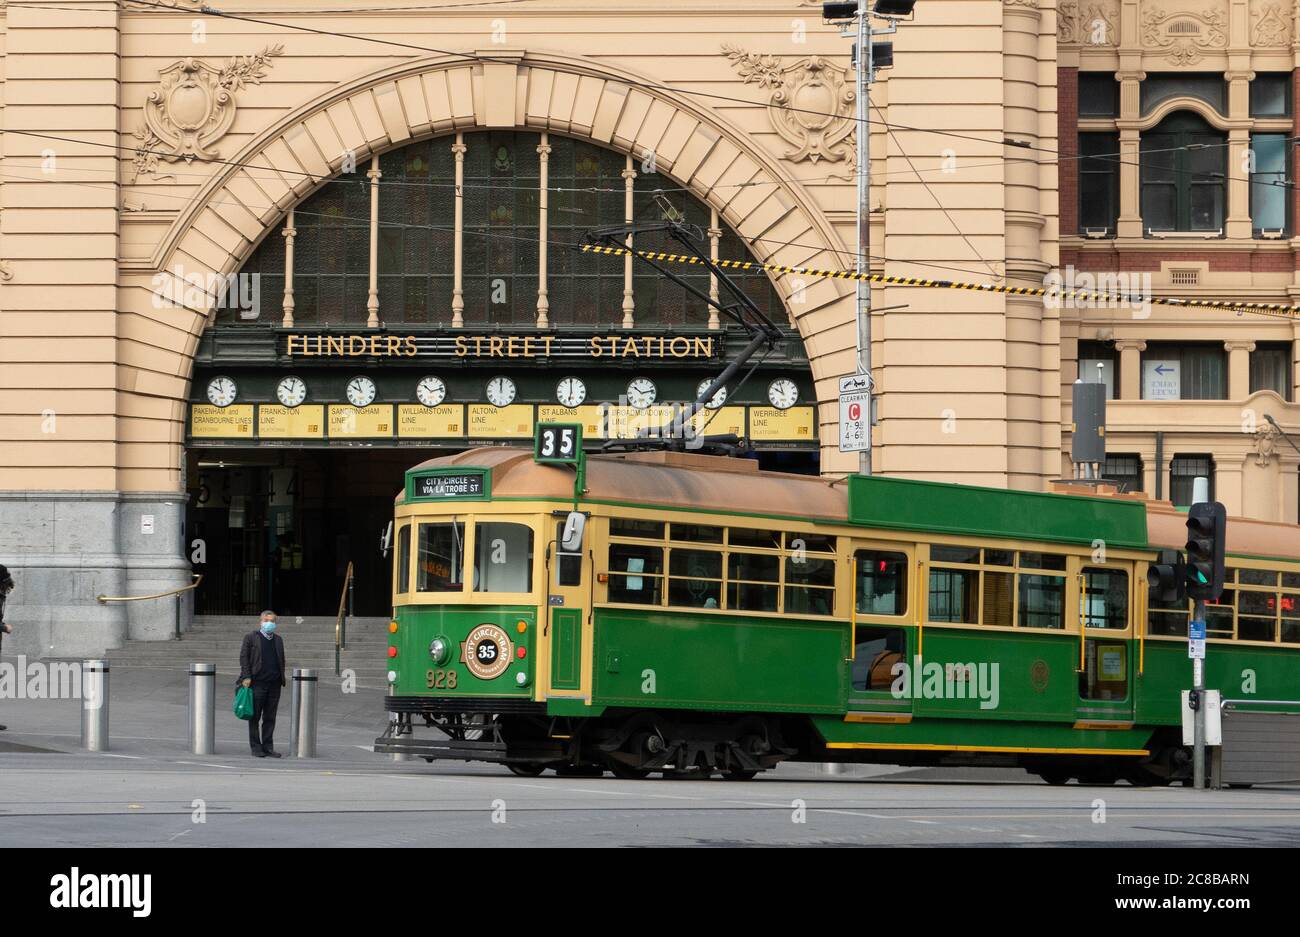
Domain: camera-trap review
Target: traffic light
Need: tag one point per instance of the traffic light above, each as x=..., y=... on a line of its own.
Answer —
x=1168, y=580
x=1207, y=525
x=839, y=12
x=899, y=8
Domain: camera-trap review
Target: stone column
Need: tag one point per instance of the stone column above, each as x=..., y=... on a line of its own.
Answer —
x=715, y=235
x=544, y=163
x=629, y=304
x=458, y=265
x=1130, y=368
x=289, y=233
x=372, y=304
x=1238, y=368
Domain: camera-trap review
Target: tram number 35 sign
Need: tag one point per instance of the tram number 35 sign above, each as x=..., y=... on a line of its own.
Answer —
x=855, y=414
x=558, y=443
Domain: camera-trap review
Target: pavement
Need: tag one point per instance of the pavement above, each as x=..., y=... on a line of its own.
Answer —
x=148, y=790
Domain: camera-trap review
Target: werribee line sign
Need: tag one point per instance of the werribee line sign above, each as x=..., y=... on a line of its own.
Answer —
x=538, y=345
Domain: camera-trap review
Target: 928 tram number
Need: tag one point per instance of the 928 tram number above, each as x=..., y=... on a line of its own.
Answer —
x=441, y=679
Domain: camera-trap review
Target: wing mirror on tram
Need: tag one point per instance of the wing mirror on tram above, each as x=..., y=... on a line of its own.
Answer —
x=575, y=525
x=386, y=540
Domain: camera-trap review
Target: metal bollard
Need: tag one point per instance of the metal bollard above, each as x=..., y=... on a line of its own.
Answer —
x=94, y=705
x=203, y=716
x=304, y=728
x=295, y=704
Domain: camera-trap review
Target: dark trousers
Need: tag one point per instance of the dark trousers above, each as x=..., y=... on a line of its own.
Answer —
x=266, y=700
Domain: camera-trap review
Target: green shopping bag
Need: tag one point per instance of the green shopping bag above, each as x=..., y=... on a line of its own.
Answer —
x=244, y=702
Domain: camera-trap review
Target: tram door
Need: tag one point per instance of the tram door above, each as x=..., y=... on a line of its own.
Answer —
x=567, y=629
x=1104, y=596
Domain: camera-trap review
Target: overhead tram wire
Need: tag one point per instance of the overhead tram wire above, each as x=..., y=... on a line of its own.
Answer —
x=644, y=85
x=1276, y=310
x=322, y=180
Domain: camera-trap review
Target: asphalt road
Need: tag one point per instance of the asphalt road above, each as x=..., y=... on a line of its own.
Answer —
x=83, y=800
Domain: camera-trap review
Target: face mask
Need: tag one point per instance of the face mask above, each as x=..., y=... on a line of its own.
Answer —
x=268, y=627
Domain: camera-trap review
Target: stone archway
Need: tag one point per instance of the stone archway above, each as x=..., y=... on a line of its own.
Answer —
x=236, y=209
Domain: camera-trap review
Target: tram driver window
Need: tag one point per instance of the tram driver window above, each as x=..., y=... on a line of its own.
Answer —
x=882, y=582
x=441, y=558
x=503, y=557
x=635, y=574
x=875, y=652
x=404, y=558
x=568, y=566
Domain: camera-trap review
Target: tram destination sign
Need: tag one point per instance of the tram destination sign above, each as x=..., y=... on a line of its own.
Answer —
x=522, y=346
x=447, y=485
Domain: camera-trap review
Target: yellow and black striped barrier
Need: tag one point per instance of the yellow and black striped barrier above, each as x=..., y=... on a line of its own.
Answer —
x=1281, y=310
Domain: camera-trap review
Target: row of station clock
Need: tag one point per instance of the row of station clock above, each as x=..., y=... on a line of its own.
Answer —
x=501, y=391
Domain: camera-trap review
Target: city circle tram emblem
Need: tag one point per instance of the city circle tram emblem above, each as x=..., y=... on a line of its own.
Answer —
x=486, y=652
x=1039, y=675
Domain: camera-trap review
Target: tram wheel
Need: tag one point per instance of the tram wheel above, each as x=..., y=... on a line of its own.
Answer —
x=525, y=769
x=1055, y=778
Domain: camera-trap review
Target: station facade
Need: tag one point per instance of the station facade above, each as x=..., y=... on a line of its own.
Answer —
x=254, y=266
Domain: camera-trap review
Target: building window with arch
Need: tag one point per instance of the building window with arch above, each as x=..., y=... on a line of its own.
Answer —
x=490, y=229
x=1183, y=173
x=1183, y=472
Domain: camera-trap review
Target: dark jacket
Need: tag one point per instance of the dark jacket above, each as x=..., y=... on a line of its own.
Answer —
x=250, y=655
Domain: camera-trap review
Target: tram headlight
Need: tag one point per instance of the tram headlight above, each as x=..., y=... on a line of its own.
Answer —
x=521, y=679
x=439, y=649
x=392, y=676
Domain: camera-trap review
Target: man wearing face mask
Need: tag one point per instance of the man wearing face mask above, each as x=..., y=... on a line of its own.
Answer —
x=261, y=666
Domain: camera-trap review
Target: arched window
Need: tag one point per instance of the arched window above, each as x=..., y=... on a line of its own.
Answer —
x=500, y=241
x=1183, y=171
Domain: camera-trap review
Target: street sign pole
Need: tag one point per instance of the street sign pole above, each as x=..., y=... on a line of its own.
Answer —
x=1196, y=651
x=863, y=264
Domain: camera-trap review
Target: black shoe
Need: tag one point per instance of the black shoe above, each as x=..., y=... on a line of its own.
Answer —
x=2, y=728
x=270, y=753
x=257, y=753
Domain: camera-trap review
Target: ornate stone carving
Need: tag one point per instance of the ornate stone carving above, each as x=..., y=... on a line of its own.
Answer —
x=1185, y=36
x=811, y=103
x=1270, y=25
x=1089, y=23
x=5, y=273
x=193, y=107
x=1265, y=443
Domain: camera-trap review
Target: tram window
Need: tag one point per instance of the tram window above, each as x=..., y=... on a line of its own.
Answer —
x=695, y=578
x=503, y=557
x=810, y=543
x=627, y=527
x=440, y=558
x=1255, y=629
x=1000, y=557
x=754, y=567
x=1291, y=580
x=568, y=566
x=1041, y=561
x=1218, y=615
x=810, y=585
x=1042, y=601
x=1105, y=598
x=635, y=574
x=943, y=554
x=1290, y=630
x=404, y=558
x=1257, y=577
x=882, y=582
x=743, y=537
x=875, y=652
x=695, y=533
x=997, y=598
x=751, y=597
x=1168, y=622
x=953, y=594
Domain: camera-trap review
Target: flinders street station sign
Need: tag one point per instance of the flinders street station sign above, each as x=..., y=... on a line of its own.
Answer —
x=521, y=346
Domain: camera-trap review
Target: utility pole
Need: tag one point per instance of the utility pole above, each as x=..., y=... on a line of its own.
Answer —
x=865, y=63
x=863, y=264
x=1206, y=546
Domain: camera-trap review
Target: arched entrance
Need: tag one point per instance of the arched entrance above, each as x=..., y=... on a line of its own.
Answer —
x=453, y=245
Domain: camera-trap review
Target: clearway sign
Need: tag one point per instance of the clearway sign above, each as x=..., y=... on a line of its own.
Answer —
x=855, y=413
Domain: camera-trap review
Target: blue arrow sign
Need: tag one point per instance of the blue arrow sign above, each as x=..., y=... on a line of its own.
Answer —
x=1161, y=369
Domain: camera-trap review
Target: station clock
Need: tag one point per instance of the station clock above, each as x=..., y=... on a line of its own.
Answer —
x=291, y=391
x=501, y=391
x=782, y=393
x=641, y=392
x=571, y=392
x=361, y=391
x=719, y=395
x=222, y=391
x=431, y=391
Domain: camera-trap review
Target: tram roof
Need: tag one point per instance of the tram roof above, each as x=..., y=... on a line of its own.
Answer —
x=713, y=484
x=660, y=479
